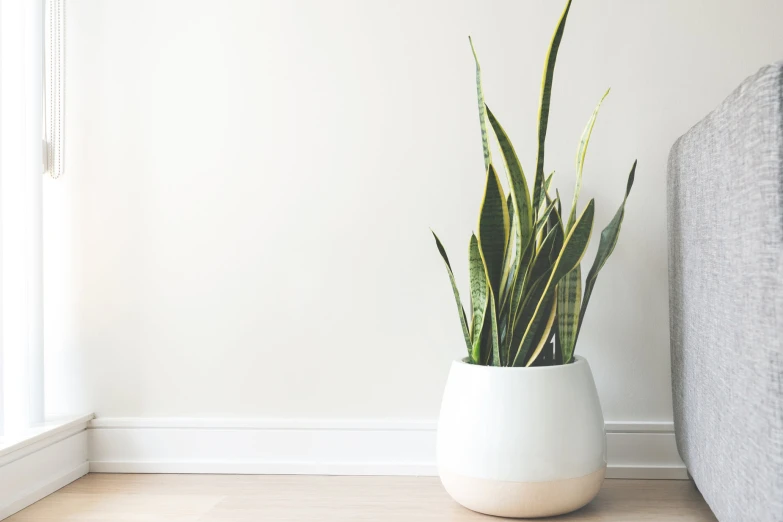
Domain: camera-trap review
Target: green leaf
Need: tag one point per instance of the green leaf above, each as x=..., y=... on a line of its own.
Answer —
x=510, y=207
x=509, y=271
x=541, y=262
x=495, y=342
x=606, y=246
x=482, y=109
x=504, y=329
x=462, y=317
x=479, y=297
x=530, y=269
x=534, y=283
x=571, y=254
x=546, y=214
x=516, y=180
x=543, y=108
x=544, y=336
x=569, y=296
x=521, y=345
x=580, y=159
x=536, y=335
x=493, y=229
x=575, y=244
x=521, y=215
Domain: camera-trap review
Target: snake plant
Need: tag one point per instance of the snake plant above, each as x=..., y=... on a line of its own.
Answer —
x=527, y=299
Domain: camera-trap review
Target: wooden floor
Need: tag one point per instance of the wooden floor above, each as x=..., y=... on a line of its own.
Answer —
x=240, y=498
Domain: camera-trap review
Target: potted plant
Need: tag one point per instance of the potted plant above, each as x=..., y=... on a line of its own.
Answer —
x=521, y=432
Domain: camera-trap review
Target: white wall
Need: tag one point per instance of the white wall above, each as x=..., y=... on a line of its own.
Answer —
x=243, y=223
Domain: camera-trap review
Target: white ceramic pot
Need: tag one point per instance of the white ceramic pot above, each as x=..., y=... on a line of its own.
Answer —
x=521, y=442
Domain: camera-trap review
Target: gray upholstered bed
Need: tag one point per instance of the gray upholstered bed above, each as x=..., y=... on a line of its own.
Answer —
x=725, y=207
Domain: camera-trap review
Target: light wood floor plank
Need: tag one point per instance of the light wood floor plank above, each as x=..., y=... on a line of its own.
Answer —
x=289, y=498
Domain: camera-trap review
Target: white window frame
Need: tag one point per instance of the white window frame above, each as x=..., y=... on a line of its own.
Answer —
x=21, y=173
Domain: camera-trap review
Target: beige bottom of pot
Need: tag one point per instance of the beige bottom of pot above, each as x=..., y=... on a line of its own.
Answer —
x=523, y=499
x=521, y=442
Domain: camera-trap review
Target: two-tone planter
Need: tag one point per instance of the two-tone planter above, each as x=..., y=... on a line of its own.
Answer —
x=521, y=442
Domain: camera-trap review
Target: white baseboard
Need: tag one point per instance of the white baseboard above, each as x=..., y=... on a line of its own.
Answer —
x=39, y=465
x=262, y=446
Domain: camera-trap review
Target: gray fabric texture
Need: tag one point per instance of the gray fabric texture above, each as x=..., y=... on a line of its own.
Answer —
x=725, y=211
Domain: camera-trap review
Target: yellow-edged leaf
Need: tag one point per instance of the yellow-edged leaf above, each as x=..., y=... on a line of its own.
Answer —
x=569, y=296
x=580, y=159
x=543, y=107
x=494, y=342
x=479, y=297
x=482, y=109
x=493, y=229
x=496, y=358
x=523, y=211
x=571, y=254
x=545, y=336
x=548, y=181
x=606, y=246
x=462, y=317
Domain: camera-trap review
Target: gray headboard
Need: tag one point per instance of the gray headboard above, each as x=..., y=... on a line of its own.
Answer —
x=725, y=209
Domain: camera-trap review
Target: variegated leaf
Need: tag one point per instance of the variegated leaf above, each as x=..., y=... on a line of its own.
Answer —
x=525, y=344
x=569, y=296
x=462, y=317
x=571, y=254
x=544, y=336
x=541, y=262
x=482, y=110
x=606, y=246
x=543, y=108
x=545, y=215
x=493, y=229
x=479, y=297
x=494, y=340
x=521, y=214
x=580, y=160
x=516, y=180
x=511, y=248
x=532, y=268
x=548, y=181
